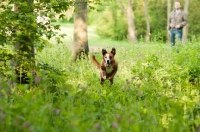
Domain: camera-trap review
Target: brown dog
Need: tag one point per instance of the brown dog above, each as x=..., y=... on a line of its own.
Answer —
x=108, y=66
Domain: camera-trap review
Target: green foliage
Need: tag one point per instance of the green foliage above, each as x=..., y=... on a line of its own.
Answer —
x=22, y=30
x=65, y=20
x=190, y=55
x=112, y=22
x=169, y=76
x=152, y=91
x=158, y=20
x=156, y=87
x=140, y=24
x=5, y=56
x=193, y=19
x=115, y=27
x=16, y=26
x=114, y=19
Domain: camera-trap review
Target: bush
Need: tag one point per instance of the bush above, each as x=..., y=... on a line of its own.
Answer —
x=188, y=58
x=114, y=29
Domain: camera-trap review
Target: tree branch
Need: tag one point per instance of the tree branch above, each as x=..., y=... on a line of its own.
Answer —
x=121, y=7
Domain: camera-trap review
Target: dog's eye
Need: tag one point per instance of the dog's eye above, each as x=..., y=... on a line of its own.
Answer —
x=110, y=57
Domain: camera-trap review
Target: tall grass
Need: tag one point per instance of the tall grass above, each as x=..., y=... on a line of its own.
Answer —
x=156, y=89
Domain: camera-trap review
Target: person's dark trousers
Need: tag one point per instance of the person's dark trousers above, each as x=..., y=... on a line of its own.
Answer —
x=173, y=34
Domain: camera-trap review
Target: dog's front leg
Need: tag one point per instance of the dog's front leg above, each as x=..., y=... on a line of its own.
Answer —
x=112, y=76
x=111, y=81
x=102, y=74
x=101, y=80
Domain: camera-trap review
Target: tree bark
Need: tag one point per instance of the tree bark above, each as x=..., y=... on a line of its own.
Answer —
x=185, y=29
x=129, y=13
x=147, y=20
x=80, y=44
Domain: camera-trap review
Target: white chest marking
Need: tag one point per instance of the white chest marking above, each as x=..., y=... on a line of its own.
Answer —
x=109, y=69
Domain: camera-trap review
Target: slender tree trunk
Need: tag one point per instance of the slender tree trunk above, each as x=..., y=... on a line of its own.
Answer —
x=185, y=29
x=131, y=24
x=168, y=15
x=25, y=54
x=147, y=20
x=128, y=12
x=81, y=48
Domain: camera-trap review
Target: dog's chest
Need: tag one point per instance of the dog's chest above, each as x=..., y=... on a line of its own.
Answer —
x=109, y=69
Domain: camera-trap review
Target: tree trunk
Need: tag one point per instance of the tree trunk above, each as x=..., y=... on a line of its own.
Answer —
x=168, y=15
x=81, y=48
x=25, y=55
x=185, y=29
x=130, y=20
x=147, y=20
x=131, y=24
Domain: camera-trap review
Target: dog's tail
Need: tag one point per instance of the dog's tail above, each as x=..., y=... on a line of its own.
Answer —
x=95, y=61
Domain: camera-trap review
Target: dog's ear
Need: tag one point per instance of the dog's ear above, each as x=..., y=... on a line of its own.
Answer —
x=113, y=51
x=104, y=51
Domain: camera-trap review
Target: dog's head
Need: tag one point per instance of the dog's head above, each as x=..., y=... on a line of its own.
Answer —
x=108, y=57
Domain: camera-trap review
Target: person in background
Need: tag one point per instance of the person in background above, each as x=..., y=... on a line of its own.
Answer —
x=177, y=20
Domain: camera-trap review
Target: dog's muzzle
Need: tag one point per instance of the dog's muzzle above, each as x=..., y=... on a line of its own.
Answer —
x=108, y=62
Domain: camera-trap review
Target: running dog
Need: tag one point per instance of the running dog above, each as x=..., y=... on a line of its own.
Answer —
x=108, y=66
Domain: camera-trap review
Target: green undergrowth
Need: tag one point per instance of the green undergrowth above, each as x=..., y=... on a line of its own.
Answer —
x=156, y=89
